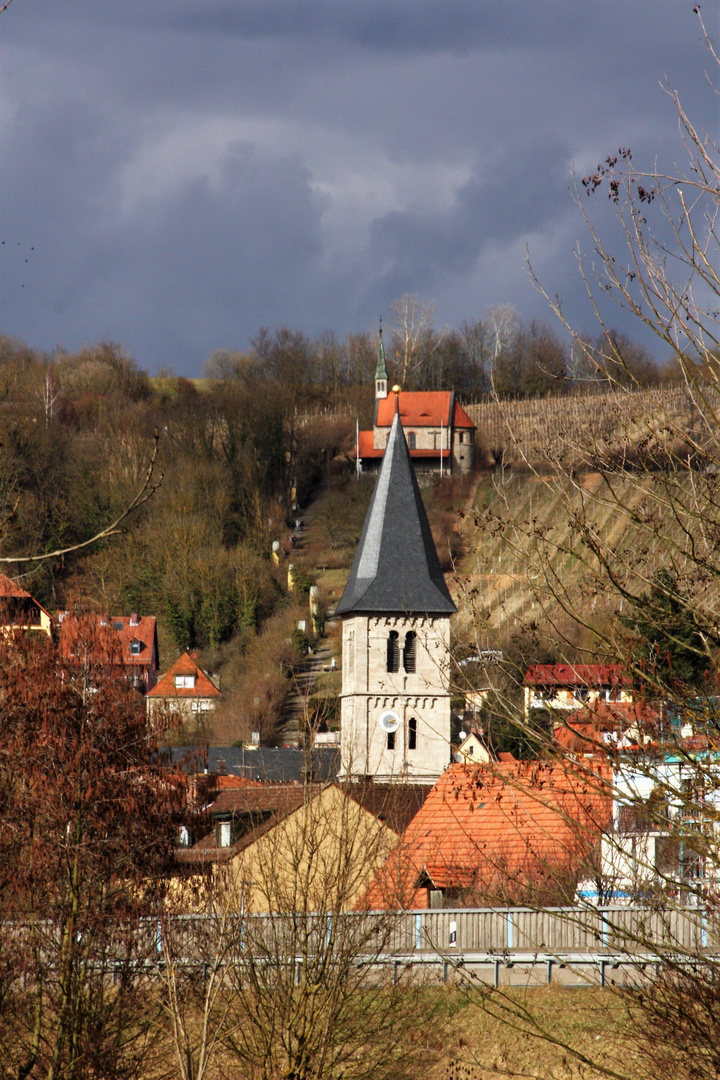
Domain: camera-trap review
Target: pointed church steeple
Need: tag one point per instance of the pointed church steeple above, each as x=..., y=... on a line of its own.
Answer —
x=396, y=567
x=381, y=375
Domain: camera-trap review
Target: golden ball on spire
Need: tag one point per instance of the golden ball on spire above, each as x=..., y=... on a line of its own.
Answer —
x=396, y=389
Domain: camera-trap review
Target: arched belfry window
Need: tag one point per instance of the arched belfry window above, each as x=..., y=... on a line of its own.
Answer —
x=412, y=733
x=393, y=651
x=410, y=651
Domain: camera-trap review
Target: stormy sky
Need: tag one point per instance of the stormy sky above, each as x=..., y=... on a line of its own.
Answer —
x=176, y=174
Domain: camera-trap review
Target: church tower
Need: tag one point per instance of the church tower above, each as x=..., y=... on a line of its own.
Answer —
x=396, y=612
x=381, y=376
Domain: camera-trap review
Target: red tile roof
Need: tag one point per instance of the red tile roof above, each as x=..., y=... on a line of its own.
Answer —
x=514, y=832
x=122, y=632
x=184, y=665
x=423, y=408
x=461, y=418
x=591, y=675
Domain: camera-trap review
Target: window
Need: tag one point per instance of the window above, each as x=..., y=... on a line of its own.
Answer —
x=118, y=626
x=412, y=733
x=409, y=651
x=391, y=740
x=411, y=440
x=135, y=647
x=184, y=682
x=393, y=651
x=200, y=706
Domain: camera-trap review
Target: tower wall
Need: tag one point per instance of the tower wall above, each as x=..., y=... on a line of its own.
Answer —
x=420, y=698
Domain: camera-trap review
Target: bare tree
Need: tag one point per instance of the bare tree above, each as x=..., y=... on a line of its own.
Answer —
x=307, y=988
x=502, y=322
x=412, y=328
x=87, y=832
x=633, y=576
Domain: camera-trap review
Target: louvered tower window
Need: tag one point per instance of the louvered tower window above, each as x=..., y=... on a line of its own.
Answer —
x=393, y=651
x=409, y=652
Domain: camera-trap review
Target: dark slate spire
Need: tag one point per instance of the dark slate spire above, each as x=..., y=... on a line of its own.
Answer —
x=396, y=568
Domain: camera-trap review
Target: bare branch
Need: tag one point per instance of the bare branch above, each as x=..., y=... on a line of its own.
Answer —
x=146, y=492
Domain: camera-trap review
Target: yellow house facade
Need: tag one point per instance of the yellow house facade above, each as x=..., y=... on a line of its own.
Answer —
x=320, y=858
x=20, y=611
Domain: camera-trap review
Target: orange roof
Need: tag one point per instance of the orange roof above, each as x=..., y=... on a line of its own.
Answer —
x=10, y=590
x=591, y=675
x=184, y=665
x=461, y=418
x=367, y=450
x=514, y=832
x=123, y=632
x=225, y=780
x=423, y=408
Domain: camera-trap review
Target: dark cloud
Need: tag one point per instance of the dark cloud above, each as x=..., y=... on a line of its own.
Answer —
x=187, y=172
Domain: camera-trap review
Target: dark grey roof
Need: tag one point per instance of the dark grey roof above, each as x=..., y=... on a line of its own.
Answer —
x=396, y=567
x=273, y=763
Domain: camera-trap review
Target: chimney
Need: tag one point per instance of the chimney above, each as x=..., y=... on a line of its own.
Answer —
x=134, y=621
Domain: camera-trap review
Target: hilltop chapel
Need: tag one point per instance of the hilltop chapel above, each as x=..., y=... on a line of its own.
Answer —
x=396, y=608
x=440, y=434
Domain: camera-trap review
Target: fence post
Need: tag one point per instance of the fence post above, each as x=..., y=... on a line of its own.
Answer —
x=418, y=933
x=509, y=930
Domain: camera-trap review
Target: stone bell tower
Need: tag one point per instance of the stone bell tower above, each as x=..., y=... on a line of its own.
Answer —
x=396, y=612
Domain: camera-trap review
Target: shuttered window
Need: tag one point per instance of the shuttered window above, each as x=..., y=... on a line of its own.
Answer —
x=393, y=651
x=410, y=650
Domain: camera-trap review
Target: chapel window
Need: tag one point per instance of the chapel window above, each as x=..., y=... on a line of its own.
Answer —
x=412, y=733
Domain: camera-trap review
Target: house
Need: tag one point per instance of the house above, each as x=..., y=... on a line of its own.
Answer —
x=184, y=692
x=498, y=834
x=440, y=434
x=563, y=687
x=285, y=847
x=128, y=642
x=662, y=840
x=600, y=726
x=396, y=608
x=20, y=611
x=474, y=749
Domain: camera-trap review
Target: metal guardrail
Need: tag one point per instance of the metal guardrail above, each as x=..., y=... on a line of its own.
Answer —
x=496, y=946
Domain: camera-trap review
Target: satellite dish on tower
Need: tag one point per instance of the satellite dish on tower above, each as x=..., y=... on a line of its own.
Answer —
x=389, y=722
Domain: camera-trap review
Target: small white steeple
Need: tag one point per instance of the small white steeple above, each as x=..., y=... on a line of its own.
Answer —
x=381, y=376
